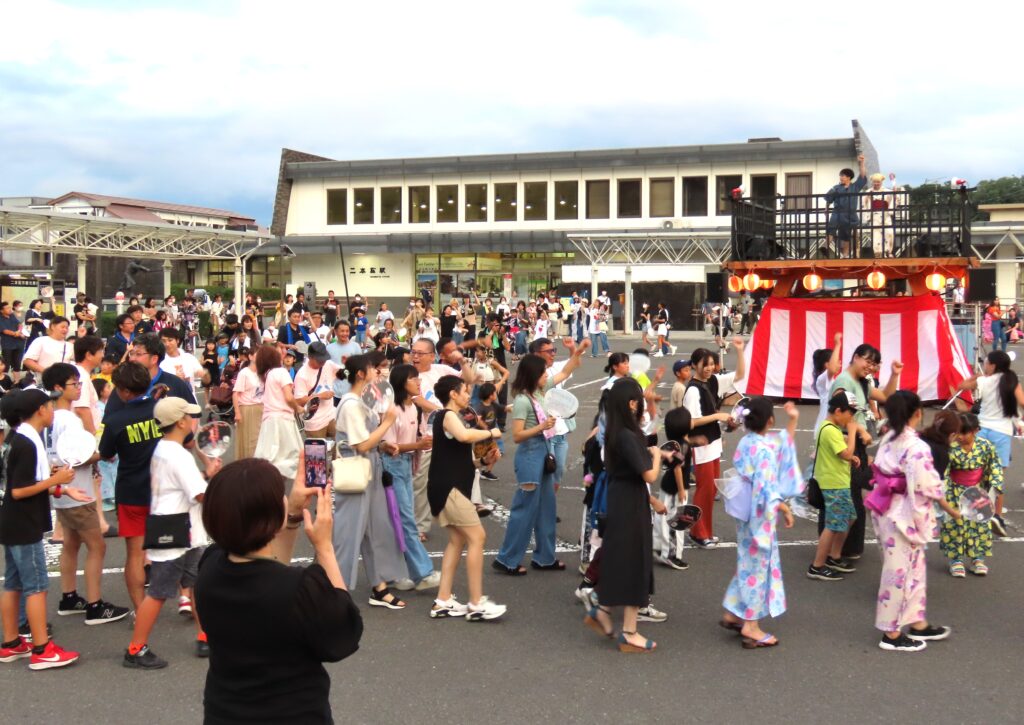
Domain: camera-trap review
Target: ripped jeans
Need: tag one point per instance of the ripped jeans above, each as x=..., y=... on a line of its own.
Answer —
x=533, y=508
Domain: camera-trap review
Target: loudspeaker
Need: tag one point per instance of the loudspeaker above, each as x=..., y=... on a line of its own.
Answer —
x=981, y=285
x=716, y=291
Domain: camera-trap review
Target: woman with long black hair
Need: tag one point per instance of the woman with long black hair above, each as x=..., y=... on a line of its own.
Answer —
x=533, y=506
x=999, y=393
x=627, y=574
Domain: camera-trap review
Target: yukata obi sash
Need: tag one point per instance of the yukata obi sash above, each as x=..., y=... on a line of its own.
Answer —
x=890, y=497
x=967, y=478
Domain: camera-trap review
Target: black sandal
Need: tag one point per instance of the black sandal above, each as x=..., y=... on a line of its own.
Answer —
x=379, y=598
x=517, y=571
x=556, y=565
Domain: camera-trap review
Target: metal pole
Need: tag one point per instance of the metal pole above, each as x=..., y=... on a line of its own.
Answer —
x=344, y=278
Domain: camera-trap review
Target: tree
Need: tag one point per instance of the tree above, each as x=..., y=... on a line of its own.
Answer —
x=1004, y=190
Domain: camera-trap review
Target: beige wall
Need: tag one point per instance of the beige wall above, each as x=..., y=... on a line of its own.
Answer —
x=325, y=270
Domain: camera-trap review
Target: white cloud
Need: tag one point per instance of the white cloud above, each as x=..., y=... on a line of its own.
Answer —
x=181, y=102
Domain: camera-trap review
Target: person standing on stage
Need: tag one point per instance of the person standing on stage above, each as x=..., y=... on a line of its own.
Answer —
x=702, y=397
x=864, y=358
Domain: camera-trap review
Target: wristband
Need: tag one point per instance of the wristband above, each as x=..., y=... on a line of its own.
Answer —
x=57, y=491
x=295, y=519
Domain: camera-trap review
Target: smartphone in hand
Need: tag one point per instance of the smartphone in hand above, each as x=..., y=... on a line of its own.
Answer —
x=316, y=462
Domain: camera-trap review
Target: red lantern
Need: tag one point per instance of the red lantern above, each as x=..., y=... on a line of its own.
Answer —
x=812, y=282
x=751, y=282
x=935, y=282
x=876, y=280
x=735, y=283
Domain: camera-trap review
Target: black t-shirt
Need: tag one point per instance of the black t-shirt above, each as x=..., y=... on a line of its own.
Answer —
x=26, y=520
x=630, y=460
x=288, y=336
x=131, y=434
x=668, y=478
x=301, y=621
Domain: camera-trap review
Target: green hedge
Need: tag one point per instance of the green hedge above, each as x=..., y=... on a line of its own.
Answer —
x=269, y=294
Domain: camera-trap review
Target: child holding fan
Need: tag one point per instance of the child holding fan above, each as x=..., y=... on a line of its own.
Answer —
x=973, y=461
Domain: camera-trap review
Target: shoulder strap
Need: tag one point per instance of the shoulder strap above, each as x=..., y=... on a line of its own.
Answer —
x=816, y=442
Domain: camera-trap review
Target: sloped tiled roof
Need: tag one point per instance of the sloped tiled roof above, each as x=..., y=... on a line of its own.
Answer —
x=152, y=206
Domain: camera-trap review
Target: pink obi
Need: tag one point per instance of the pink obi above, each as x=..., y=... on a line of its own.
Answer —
x=967, y=478
x=885, y=485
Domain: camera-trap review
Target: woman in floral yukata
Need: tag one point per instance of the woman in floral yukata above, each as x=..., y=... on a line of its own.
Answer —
x=973, y=461
x=905, y=486
x=767, y=462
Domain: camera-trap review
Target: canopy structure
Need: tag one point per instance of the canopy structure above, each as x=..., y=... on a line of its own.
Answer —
x=62, y=233
x=914, y=330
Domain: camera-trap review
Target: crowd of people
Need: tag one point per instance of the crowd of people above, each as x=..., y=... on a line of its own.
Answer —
x=217, y=540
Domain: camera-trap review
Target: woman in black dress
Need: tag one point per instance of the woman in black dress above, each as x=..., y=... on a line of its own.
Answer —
x=627, y=576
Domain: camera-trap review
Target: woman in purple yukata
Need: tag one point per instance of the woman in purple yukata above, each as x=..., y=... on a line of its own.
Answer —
x=905, y=486
x=767, y=466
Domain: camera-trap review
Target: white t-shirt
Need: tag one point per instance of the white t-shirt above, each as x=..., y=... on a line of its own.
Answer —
x=248, y=387
x=427, y=382
x=63, y=421
x=274, y=403
x=992, y=415
x=190, y=367
x=46, y=351
x=352, y=419
x=175, y=482
x=306, y=384
x=594, y=325
x=691, y=401
x=484, y=372
x=322, y=333
x=88, y=399
x=541, y=329
x=383, y=316
x=823, y=385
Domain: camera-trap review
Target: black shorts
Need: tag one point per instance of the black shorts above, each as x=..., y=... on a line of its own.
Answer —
x=12, y=358
x=841, y=228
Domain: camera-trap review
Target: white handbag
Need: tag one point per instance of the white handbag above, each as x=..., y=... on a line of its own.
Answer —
x=350, y=474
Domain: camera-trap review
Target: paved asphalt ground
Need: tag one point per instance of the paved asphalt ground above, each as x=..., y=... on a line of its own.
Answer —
x=540, y=664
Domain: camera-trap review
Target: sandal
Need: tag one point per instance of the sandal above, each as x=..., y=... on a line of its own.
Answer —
x=956, y=569
x=556, y=565
x=516, y=571
x=750, y=643
x=384, y=598
x=734, y=626
x=625, y=646
x=979, y=568
x=594, y=623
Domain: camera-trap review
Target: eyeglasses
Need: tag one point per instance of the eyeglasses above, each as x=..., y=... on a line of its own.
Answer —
x=71, y=383
x=547, y=350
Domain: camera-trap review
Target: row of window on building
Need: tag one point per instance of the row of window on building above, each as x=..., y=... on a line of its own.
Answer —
x=544, y=201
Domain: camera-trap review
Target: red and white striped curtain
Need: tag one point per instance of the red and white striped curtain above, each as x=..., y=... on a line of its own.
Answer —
x=914, y=330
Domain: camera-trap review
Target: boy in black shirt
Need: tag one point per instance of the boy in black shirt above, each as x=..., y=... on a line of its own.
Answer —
x=487, y=415
x=24, y=519
x=130, y=433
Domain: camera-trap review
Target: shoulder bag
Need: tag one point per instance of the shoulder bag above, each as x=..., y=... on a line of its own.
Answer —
x=814, y=495
x=167, y=531
x=350, y=471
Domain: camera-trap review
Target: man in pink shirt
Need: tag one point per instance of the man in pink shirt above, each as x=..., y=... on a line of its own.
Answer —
x=315, y=379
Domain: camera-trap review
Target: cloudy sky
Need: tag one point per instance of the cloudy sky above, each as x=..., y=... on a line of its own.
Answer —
x=192, y=101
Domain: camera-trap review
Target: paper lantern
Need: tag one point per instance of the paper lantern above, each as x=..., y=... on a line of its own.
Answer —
x=751, y=282
x=735, y=283
x=876, y=280
x=767, y=283
x=812, y=282
x=935, y=282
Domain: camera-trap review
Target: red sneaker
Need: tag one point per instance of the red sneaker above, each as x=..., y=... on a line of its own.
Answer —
x=52, y=656
x=17, y=652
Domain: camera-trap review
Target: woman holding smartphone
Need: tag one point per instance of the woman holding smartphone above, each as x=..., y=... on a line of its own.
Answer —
x=362, y=524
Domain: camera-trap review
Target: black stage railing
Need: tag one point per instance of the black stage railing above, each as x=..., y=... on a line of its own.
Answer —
x=867, y=225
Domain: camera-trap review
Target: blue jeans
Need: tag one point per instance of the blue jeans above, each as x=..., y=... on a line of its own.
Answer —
x=361, y=337
x=532, y=512
x=998, y=335
x=560, y=448
x=596, y=337
x=520, y=346
x=25, y=569
x=416, y=558
x=579, y=332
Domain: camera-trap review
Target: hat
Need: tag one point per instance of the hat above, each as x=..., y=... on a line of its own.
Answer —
x=23, y=403
x=679, y=365
x=170, y=410
x=843, y=402
x=317, y=351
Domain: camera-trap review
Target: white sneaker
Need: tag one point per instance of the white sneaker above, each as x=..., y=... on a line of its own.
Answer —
x=403, y=585
x=485, y=611
x=430, y=581
x=184, y=606
x=444, y=609
x=650, y=614
x=658, y=354
x=672, y=348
